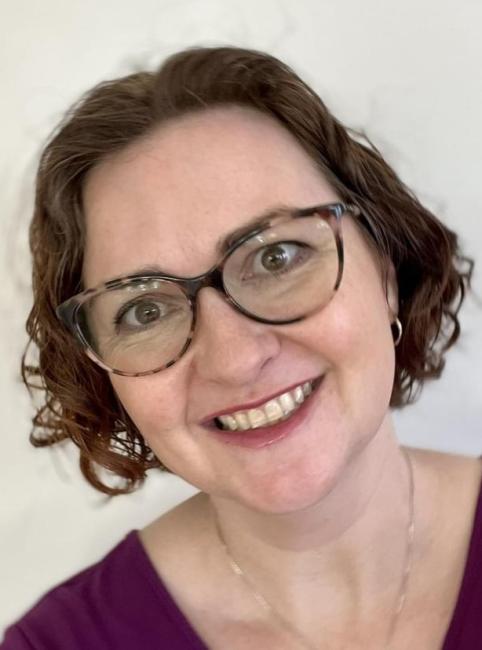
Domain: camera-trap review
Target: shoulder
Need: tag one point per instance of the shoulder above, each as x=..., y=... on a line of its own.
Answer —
x=447, y=460
x=88, y=607
x=460, y=535
x=452, y=476
x=449, y=486
x=448, y=575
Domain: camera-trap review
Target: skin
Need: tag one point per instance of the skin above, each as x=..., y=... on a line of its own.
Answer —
x=318, y=518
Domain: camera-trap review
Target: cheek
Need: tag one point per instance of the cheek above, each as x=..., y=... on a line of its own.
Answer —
x=154, y=403
x=353, y=339
x=366, y=370
x=350, y=337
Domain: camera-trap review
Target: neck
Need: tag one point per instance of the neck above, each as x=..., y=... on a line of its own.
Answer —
x=350, y=543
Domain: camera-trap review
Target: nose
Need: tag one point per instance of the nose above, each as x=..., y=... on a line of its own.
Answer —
x=229, y=347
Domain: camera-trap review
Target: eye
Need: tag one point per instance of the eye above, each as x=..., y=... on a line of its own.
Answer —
x=275, y=259
x=141, y=314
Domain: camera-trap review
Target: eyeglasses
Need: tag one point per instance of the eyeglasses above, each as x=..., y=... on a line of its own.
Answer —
x=280, y=272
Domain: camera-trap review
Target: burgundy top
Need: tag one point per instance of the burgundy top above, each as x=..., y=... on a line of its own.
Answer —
x=120, y=603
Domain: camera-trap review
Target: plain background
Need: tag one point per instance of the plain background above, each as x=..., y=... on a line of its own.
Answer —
x=408, y=73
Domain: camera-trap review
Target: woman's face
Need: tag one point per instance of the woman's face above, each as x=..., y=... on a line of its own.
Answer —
x=165, y=202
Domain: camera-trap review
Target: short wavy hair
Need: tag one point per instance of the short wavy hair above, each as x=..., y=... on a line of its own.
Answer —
x=77, y=398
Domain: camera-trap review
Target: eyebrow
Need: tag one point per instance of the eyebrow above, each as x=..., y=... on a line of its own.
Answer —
x=224, y=243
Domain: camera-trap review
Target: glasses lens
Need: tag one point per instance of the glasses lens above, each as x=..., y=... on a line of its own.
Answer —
x=140, y=326
x=285, y=272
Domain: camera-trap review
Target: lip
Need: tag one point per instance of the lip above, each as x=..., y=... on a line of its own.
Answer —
x=252, y=405
x=264, y=436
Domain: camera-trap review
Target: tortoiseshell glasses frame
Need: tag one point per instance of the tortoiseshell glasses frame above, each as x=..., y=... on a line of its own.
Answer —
x=68, y=311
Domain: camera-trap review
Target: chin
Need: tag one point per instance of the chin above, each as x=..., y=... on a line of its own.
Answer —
x=294, y=489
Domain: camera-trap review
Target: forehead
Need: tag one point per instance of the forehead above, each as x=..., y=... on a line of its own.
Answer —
x=166, y=200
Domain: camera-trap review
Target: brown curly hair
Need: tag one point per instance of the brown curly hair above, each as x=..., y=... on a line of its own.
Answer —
x=78, y=402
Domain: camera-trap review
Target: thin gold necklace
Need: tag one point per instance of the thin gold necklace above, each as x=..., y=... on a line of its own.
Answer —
x=306, y=643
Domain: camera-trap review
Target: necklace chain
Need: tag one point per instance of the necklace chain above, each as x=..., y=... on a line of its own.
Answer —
x=308, y=645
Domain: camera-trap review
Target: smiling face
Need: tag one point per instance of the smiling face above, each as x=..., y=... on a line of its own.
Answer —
x=165, y=202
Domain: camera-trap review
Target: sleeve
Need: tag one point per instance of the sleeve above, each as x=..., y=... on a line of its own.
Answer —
x=15, y=639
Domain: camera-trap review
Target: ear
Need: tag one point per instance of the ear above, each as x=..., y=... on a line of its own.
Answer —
x=391, y=290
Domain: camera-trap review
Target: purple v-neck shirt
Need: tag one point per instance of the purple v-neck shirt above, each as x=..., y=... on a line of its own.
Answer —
x=120, y=603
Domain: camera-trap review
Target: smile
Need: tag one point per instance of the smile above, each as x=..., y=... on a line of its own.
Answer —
x=273, y=411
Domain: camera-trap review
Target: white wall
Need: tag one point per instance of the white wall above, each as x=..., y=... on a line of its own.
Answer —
x=407, y=72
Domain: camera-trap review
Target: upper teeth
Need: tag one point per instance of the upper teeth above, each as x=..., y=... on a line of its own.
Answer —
x=272, y=411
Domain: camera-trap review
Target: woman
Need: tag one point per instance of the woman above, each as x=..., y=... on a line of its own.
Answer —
x=252, y=289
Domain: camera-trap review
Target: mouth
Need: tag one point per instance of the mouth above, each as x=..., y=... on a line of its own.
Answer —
x=268, y=414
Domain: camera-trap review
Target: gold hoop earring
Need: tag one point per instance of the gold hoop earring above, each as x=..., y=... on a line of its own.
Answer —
x=399, y=327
